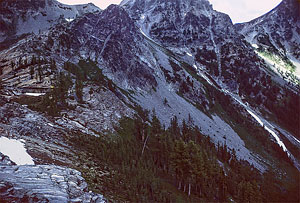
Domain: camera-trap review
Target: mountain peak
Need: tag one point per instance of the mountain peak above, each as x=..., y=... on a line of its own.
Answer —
x=277, y=33
x=115, y=11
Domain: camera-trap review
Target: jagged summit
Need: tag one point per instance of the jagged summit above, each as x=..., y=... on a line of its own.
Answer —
x=178, y=23
x=150, y=3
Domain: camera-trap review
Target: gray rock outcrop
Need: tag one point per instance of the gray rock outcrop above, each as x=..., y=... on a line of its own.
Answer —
x=42, y=183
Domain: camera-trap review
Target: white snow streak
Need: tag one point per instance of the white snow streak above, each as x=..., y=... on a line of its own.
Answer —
x=143, y=33
x=34, y=94
x=256, y=118
x=279, y=142
x=203, y=75
x=189, y=54
x=265, y=124
x=296, y=139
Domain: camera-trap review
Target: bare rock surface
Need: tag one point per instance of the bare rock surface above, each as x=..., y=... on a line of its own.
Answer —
x=42, y=183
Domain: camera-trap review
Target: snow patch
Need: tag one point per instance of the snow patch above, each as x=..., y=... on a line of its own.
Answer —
x=34, y=94
x=255, y=46
x=69, y=19
x=16, y=151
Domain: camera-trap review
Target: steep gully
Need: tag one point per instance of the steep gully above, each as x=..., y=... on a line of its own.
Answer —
x=212, y=38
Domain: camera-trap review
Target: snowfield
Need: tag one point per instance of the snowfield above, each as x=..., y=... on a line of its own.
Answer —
x=16, y=151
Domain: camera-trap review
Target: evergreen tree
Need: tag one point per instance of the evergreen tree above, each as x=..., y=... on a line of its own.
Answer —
x=52, y=64
x=31, y=72
x=179, y=161
x=33, y=60
x=165, y=101
x=25, y=62
x=12, y=65
x=156, y=125
x=20, y=64
x=185, y=131
x=39, y=73
x=79, y=89
x=1, y=84
x=174, y=128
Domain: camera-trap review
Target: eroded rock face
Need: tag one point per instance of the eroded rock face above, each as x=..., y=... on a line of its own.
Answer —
x=42, y=183
x=112, y=39
x=180, y=23
x=193, y=28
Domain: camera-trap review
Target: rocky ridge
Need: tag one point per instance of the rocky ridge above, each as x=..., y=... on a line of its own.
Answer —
x=277, y=33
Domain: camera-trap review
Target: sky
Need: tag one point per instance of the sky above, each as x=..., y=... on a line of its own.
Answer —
x=238, y=10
